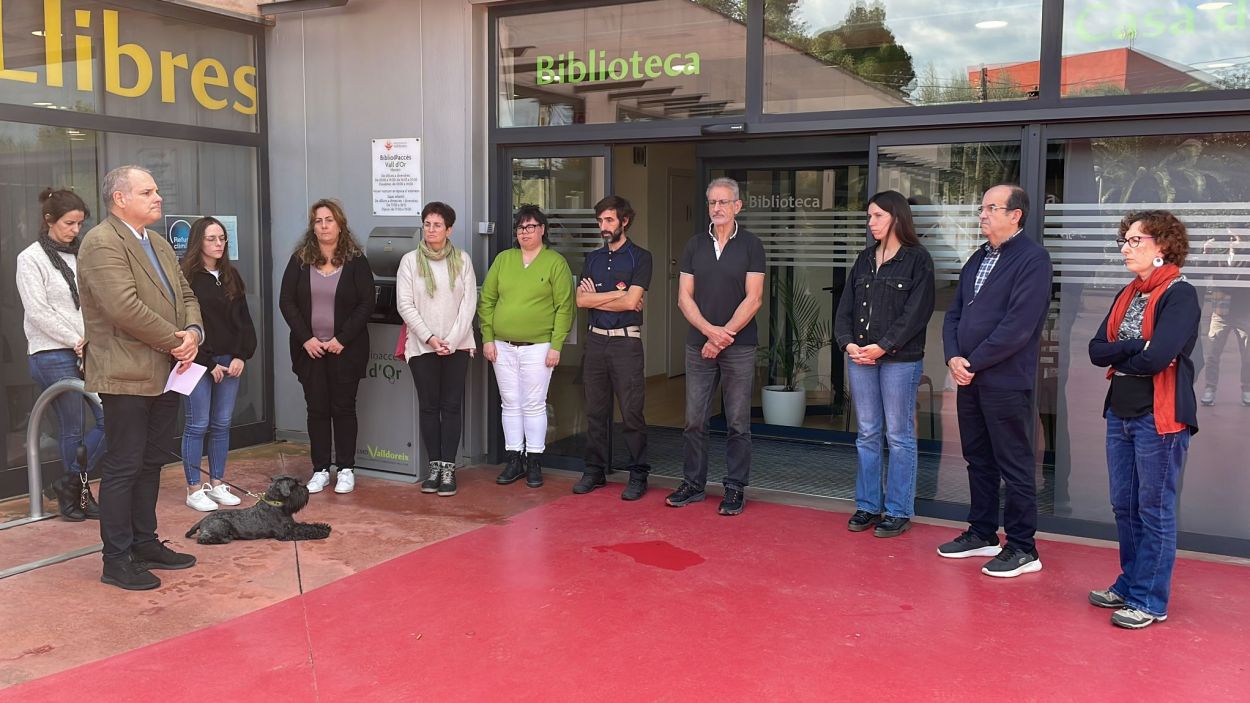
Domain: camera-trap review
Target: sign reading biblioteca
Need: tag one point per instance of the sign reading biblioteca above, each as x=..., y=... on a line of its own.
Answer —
x=397, y=177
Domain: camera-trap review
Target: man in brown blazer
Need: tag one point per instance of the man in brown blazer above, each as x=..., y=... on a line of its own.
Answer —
x=141, y=317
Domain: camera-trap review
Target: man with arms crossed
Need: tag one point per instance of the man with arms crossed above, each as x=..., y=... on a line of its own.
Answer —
x=140, y=317
x=614, y=280
x=721, y=288
x=992, y=334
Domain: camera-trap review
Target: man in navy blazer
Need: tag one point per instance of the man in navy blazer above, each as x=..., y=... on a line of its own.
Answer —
x=992, y=335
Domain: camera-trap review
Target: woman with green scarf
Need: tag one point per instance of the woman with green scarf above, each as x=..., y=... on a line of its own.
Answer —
x=437, y=294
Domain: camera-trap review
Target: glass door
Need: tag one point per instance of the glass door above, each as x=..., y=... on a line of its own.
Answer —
x=565, y=182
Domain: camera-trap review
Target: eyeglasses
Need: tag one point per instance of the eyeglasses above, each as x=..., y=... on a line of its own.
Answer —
x=721, y=203
x=433, y=226
x=993, y=208
x=213, y=240
x=531, y=227
x=1133, y=242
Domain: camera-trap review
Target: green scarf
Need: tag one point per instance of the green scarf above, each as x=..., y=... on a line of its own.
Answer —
x=425, y=255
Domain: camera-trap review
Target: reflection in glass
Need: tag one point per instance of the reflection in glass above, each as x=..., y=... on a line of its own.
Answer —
x=944, y=184
x=639, y=61
x=1127, y=47
x=823, y=55
x=1090, y=185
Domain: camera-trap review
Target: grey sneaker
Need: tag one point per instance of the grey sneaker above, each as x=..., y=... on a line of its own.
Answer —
x=1106, y=599
x=1134, y=619
x=1245, y=398
x=1012, y=562
x=1208, y=396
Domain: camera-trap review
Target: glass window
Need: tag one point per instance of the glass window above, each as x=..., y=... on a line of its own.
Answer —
x=944, y=183
x=96, y=57
x=1090, y=185
x=195, y=178
x=1127, y=47
x=659, y=60
x=824, y=55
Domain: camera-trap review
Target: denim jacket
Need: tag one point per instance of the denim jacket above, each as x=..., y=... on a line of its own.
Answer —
x=889, y=307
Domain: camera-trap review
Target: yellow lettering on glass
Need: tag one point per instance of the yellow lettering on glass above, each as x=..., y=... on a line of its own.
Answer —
x=201, y=79
x=245, y=83
x=82, y=52
x=168, y=63
x=12, y=74
x=113, y=53
x=52, y=42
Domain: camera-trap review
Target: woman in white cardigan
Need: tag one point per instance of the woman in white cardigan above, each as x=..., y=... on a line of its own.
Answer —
x=47, y=281
x=437, y=297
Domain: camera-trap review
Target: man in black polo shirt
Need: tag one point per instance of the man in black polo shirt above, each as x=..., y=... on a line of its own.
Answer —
x=722, y=285
x=614, y=279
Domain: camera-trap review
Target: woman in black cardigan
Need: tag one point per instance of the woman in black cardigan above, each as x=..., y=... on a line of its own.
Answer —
x=1147, y=340
x=326, y=298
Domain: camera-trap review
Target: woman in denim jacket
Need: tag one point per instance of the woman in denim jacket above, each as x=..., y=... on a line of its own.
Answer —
x=880, y=324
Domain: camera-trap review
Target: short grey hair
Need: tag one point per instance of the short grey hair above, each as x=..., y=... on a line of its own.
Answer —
x=118, y=181
x=723, y=182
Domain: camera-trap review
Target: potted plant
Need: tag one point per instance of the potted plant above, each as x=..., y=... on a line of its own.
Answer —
x=796, y=337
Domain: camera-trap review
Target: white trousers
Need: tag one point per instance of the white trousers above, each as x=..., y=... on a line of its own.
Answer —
x=523, y=377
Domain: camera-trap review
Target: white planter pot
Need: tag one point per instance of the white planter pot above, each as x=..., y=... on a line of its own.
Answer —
x=782, y=407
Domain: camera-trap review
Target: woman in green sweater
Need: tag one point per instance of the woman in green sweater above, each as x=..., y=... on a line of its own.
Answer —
x=526, y=311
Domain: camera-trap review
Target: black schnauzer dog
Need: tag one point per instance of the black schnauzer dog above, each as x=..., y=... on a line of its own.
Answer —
x=270, y=518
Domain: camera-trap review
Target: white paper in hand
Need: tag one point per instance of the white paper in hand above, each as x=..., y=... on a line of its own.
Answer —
x=186, y=381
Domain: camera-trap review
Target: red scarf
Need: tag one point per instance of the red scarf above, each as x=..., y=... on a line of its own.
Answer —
x=1164, y=381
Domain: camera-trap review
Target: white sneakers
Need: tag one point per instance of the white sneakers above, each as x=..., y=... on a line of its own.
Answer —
x=318, y=481
x=346, y=481
x=206, y=498
x=199, y=500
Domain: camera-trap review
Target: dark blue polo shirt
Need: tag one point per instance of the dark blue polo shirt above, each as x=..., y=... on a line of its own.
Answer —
x=720, y=285
x=617, y=270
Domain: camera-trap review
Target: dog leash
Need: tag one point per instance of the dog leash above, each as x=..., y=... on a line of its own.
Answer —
x=261, y=498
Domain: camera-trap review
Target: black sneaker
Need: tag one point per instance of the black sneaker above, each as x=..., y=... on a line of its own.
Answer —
x=1106, y=599
x=862, y=520
x=684, y=495
x=124, y=573
x=533, y=471
x=155, y=555
x=1012, y=562
x=733, y=501
x=589, y=482
x=447, y=486
x=513, y=470
x=430, y=484
x=969, y=545
x=892, y=526
x=636, y=489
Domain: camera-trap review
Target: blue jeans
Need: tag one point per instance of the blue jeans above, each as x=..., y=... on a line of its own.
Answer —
x=734, y=370
x=48, y=367
x=1144, y=467
x=209, y=409
x=885, y=399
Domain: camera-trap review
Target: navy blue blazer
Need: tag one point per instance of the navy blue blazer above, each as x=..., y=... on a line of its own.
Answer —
x=999, y=329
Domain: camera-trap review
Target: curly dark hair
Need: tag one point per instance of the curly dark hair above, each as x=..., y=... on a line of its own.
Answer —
x=1168, y=231
x=309, y=252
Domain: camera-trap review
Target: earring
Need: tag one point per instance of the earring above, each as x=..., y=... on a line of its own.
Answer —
x=1158, y=261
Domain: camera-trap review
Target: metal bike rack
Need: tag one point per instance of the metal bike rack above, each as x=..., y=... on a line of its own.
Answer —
x=34, y=473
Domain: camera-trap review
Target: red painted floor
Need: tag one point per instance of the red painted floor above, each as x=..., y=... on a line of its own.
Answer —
x=588, y=598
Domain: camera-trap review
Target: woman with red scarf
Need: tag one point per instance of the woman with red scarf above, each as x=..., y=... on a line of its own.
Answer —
x=1151, y=411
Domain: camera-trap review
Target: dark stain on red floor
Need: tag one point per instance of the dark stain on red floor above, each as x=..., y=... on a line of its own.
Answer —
x=656, y=553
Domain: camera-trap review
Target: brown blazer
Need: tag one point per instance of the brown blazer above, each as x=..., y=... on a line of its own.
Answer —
x=129, y=317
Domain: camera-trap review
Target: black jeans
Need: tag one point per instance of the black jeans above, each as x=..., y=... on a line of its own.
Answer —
x=734, y=371
x=331, y=412
x=440, y=393
x=614, y=366
x=139, y=436
x=996, y=431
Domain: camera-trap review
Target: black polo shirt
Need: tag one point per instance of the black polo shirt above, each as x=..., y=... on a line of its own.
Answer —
x=720, y=285
x=628, y=266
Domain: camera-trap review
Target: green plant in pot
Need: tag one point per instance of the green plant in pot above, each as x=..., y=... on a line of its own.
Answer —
x=797, y=335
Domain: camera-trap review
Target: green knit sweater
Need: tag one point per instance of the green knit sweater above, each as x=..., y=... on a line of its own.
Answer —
x=527, y=304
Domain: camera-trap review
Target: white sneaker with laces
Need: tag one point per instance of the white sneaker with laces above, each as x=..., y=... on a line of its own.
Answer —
x=318, y=481
x=346, y=481
x=199, y=500
x=221, y=493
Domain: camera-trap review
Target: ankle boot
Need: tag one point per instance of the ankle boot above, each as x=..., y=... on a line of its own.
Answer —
x=90, y=508
x=513, y=470
x=430, y=484
x=533, y=471
x=67, y=493
x=447, y=487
